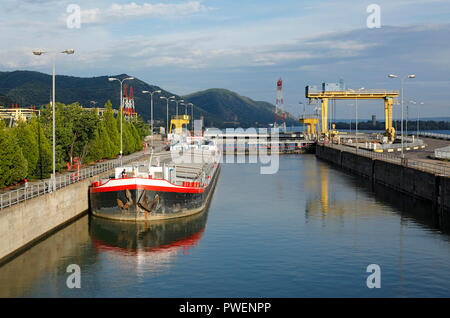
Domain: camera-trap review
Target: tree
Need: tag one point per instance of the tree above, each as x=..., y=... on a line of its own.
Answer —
x=110, y=124
x=13, y=165
x=43, y=166
x=96, y=147
x=109, y=149
x=28, y=142
x=136, y=137
x=74, y=126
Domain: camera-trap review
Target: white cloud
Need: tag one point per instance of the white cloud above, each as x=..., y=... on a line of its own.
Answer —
x=134, y=10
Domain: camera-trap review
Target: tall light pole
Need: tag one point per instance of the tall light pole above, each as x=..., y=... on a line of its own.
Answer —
x=192, y=114
x=304, y=109
x=418, y=107
x=351, y=105
x=151, y=109
x=167, y=111
x=178, y=101
x=53, y=55
x=112, y=79
x=410, y=102
x=356, y=115
x=418, y=120
x=401, y=83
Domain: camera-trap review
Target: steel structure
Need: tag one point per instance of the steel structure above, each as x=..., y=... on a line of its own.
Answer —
x=128, y=102
x=279, y=106
x=311, y=122
x=177, y=122
x=388, y=96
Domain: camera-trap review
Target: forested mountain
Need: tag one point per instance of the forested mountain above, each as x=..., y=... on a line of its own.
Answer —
x=220, y=107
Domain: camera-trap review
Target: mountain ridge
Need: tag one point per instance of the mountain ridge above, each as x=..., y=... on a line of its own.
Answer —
x=219, y=106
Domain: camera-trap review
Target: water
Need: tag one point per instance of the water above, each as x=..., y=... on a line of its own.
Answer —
x=308, y=231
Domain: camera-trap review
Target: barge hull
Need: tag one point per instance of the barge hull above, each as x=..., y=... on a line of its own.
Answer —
x=140, y=204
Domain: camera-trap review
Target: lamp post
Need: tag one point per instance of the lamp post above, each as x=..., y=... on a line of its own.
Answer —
x=151, y=109
x=351, y=105
x=301, y=103
x=53, y=55
x=167, y=111
x=401, y=83
x=192, y=115
x=112, y=79
x=178, y=101
x=356, y=122
x=418, y=107
x=418, y=131
x=174, y=100
x=410, y=102
x=356, y=115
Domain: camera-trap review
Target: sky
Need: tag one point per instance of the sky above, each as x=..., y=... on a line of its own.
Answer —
x=185, y=46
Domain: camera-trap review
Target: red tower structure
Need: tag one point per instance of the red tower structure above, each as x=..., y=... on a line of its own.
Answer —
x=279, y=106
x=128, y=102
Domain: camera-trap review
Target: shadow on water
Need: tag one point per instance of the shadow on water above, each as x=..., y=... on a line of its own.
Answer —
x=146, y=248
x=52, y=255
x=130, y=238
x=137, y=247
x=418, y=210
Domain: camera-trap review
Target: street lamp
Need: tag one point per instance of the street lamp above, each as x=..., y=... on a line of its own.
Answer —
x=53, y=55
x=192, y=115
x=418, y=107
x=151, y=108
x=178, y=101
x=356, y=116
x=167, y=111
x=112, y=79
x=401, y=83
x=407, y=106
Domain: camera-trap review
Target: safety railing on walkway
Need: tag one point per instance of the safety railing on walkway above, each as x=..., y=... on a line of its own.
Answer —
x=434, y=135
x=45, y=186
x=415, y=164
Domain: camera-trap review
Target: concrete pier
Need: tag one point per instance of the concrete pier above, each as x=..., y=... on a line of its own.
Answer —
x=23, y=224
x=424, y=185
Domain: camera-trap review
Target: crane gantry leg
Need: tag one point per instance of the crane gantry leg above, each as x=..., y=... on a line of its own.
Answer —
x=390, y=131
x=324, y=102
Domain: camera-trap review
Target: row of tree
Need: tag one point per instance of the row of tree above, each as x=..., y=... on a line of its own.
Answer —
x=26, y=151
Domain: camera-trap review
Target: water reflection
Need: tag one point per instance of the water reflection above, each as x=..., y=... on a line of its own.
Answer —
x=328, y=200
x=64, y=247
x=146, y=246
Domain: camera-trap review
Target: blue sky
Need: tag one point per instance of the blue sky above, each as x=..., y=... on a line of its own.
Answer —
x=245, y=46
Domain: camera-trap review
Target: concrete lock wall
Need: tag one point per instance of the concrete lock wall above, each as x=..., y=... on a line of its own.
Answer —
x=445, y=193
x=28, y=221
x=357, y=164
x=421, y=184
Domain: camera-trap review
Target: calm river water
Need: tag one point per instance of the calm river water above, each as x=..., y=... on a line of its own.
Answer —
x=309, y=230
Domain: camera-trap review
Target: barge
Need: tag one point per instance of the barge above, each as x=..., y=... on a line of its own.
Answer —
x=145, y=192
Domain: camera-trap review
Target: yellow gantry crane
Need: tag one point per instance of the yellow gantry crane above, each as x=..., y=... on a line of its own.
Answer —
x=311, y=124
x=177, y=122
x=335, y=91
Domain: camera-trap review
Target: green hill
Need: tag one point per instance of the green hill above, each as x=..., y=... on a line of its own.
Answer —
x=5, y=101
x=219, y=107
x=223, y=108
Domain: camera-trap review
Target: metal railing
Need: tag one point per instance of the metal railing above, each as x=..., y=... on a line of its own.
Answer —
x=415, y=164
x=434, y=135
x=45, y=186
